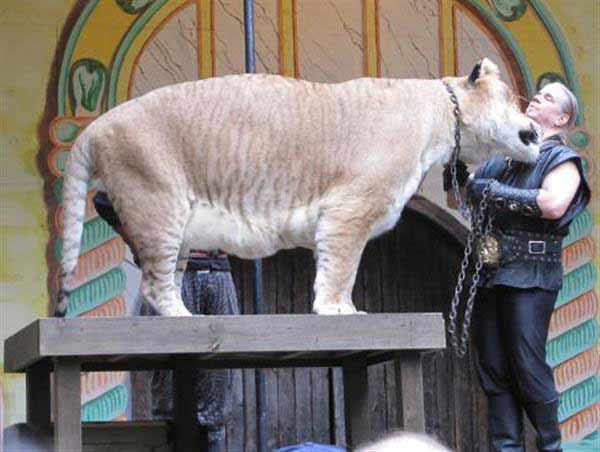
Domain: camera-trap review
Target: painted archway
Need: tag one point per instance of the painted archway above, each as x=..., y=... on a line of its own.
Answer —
x=112, y=43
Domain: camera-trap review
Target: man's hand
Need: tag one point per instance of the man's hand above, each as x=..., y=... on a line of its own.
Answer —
x=475, y=189
x=461, y=174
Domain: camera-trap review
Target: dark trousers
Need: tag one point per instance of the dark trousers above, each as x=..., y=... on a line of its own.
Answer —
x=511, y=330
x=203, y=293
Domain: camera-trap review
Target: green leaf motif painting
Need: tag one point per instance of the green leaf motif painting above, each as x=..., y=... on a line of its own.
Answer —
x=509, y=10
x=87, y=83
x=133, y=6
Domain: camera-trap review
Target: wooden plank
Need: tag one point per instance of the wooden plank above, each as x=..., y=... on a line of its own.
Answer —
x=38, y=395
x=249, y=378
x=231, y=334
x=22, y=348
x=452, y=396
x=185, y=424
x=98, y=364
x=319, y=378
x=244, y=285
x=272, y=407
x=270, y=301
x=390, y=302
x=356, y=404
x=286, y=421
x=125, y=436
x=339, y=422
x=413, y=407
x=429, y=392
x=67, y=404
x=391, y=408
x=373, y=304
x=304, y=271
x=462, y=403
x=141, y=395
x=235, y=427
x=286, y=413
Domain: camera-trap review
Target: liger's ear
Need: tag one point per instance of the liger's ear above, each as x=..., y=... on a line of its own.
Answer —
x=475, y=73
x=482, y=68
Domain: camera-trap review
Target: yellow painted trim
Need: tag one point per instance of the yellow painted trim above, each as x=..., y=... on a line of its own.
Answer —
x=497, y=43
x=287, y=38
x=371, y=38
x=102, y=33
x=101, y=38
x=447, y=38
x=206, y=38
x=141, y=41
x=533, y=36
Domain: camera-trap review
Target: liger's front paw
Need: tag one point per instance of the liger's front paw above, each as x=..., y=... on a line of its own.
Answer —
x=336, y=309
x=177, y=311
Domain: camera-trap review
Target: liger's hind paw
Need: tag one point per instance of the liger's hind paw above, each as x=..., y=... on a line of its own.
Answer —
x=60, y=310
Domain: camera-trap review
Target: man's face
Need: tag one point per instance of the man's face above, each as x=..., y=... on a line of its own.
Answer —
x=545, y=107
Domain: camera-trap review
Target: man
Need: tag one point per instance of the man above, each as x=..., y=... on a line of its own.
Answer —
x=207, y=288
x=533, y=206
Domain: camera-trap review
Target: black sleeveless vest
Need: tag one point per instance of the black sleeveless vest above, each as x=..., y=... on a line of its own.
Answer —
x=526, y=273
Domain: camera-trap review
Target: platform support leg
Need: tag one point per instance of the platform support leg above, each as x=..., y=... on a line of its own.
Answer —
x=37, y=382
x=188, y=436
x=413, y=408
x=67, y=405
x=356, y=403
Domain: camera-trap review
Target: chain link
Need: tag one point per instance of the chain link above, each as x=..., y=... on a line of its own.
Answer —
x=462, y=207
x=481, y=225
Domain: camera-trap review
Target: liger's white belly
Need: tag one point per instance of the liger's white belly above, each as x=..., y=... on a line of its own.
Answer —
x=249, y=236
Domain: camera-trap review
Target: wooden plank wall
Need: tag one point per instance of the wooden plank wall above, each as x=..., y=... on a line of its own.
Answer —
x=411, y=269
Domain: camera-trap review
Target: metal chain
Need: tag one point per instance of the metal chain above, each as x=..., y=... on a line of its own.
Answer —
x=479, y=229
x=462, y=207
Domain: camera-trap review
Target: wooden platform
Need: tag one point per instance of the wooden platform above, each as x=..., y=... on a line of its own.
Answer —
x=68, y=346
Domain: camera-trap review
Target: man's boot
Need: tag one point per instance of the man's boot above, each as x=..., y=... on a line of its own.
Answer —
x=544, y=417
x=505, y=423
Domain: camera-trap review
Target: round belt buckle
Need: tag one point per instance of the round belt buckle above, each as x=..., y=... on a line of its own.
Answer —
x=488, y=248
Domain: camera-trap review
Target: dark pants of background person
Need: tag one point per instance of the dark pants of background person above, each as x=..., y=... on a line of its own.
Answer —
x=511, y=330
x=203, y=293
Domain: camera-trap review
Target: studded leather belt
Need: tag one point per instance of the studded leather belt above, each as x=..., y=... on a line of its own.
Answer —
x=503, y=247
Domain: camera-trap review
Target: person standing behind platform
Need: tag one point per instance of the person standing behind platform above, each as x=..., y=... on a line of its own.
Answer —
x=207, y=289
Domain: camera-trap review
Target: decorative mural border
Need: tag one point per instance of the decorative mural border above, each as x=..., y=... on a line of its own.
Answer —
x=565, y=54
x=129, y=78
x=101, y=281
x=126, y=42
x=66, y=61
x=508, y=39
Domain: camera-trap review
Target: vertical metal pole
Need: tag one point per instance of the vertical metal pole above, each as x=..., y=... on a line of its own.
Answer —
x=259, y=375
x=249, y=36
x=261, y=392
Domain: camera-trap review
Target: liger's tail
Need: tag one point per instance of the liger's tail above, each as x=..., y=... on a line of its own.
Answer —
x=75, y=186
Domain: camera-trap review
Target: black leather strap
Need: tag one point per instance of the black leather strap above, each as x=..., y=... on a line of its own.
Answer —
x=516, y=200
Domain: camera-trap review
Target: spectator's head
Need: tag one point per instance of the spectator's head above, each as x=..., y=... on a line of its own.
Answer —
x=404, y=441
